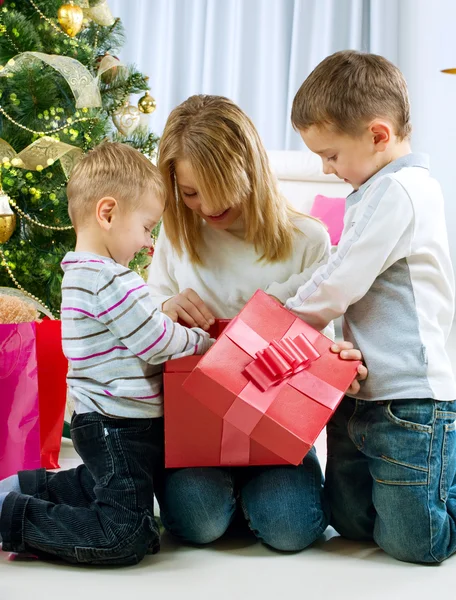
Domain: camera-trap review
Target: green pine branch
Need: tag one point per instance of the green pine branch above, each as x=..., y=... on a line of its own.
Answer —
x=37, y=100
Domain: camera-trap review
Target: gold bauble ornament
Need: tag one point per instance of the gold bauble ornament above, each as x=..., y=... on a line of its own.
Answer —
x=7, y=218
x=70, y=18
x=126, y=118
x=147, y=104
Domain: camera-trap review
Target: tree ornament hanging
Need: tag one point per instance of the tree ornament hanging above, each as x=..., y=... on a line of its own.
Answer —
x=7, y=218
x=100, y=14
x=70, y=18
x=126, y=118
x=147, y=104
x=107, y=75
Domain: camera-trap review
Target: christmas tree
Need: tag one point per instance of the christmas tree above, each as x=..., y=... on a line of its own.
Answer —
x=62, y=91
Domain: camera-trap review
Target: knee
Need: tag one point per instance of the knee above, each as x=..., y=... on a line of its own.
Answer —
x=198, y=505
x=289, y=540
x=205, y=533
x=286, y=532
x=123, y=547
x=411, y=550
x=200, y=529
x=114, y=554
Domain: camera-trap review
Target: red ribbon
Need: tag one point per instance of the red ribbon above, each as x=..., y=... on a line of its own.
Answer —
x=280, y=360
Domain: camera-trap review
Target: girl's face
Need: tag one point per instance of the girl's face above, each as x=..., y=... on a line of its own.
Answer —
x=188, y=188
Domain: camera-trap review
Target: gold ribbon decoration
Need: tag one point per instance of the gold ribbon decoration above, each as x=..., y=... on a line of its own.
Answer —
x=108, y=62
x=42, y=152
x=83, y=85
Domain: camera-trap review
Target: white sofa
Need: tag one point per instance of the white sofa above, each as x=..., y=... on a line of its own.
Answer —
x=301, y=178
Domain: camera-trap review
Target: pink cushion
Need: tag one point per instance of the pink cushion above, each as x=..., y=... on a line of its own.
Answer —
x=331, y=212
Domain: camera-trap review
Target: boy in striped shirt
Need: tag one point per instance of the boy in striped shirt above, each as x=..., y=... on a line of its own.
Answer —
x=115, y=341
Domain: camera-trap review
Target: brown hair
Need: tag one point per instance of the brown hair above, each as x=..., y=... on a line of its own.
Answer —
x=348, y=89
x=231, y=168
x=111, y=169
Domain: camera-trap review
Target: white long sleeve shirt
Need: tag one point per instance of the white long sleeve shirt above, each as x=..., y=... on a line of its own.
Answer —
x=231, y=271
x=393, y=281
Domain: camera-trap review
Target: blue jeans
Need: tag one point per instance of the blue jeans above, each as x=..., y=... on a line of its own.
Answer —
x=283, y=505
x=391, y=476
x=100, y=513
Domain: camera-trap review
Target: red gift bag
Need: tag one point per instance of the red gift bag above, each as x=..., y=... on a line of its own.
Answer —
x=52, y=389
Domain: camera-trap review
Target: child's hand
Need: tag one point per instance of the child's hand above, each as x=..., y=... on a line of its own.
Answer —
x=189, y=307
x=171, y=314
x=347, y=352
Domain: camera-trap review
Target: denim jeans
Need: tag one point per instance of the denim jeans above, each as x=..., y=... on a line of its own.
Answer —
x=100, y=513
x=391, y=476
x=283, y=505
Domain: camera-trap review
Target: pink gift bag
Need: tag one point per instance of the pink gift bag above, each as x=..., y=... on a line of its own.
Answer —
x=19, y=406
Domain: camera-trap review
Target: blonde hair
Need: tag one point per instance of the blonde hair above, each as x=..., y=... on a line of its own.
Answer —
x=231, y=168
x=111, y=169
x=348, y=89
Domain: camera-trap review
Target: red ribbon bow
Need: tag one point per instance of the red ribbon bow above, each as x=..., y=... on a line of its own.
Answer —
x=281, y=360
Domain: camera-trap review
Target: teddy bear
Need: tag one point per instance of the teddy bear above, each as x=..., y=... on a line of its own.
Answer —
x=14, y=309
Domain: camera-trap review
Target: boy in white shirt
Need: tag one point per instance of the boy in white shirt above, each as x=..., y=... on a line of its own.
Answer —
x=392, y=447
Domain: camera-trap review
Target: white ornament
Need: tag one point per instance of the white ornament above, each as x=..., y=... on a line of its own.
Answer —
x=126, y=119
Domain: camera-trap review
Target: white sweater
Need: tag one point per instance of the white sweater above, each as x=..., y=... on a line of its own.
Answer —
x=231, y=271
x=393, y=280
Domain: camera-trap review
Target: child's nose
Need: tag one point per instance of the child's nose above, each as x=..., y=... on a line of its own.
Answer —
x=327, y=168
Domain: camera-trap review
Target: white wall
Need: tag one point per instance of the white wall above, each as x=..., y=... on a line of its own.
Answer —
x=418, y=35
x=428, y=44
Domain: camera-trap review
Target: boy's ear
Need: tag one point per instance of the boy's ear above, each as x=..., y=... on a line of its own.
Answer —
x=381, y=132
x=105, y=212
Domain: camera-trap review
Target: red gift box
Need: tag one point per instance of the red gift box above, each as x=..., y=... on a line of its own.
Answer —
x=270, y=379
x=193, y=433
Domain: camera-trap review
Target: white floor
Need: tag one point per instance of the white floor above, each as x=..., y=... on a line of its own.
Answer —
x=240, y=568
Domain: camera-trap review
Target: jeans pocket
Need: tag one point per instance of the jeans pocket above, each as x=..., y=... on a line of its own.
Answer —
x=402, y=443
x=90, y=443
x=448, y=470
x=411, y=414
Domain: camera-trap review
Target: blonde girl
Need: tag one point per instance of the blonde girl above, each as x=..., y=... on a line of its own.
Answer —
x=227, y=231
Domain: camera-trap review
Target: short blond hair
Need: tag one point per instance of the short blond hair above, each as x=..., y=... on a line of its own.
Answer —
x=231, y=168
x=349, y=89
x=111, y=169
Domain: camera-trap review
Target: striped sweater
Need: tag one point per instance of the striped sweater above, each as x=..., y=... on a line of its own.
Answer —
x=115, y=340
